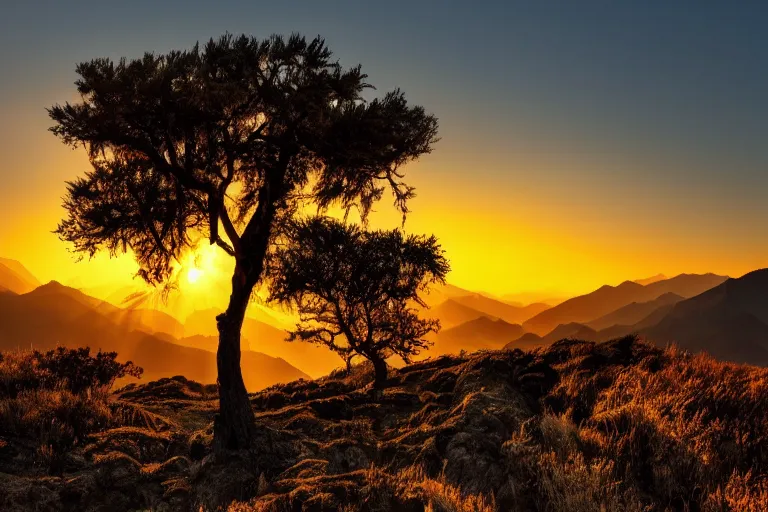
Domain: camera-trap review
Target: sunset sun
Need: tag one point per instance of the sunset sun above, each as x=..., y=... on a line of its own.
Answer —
x=194, y=275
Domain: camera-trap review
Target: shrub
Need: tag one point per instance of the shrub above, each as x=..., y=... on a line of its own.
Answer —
x=56, y=398
x=75, y=370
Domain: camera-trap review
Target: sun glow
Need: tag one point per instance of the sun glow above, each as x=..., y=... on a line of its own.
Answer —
x=194, y=275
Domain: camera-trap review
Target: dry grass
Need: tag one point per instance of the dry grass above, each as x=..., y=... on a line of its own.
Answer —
x=576, y=427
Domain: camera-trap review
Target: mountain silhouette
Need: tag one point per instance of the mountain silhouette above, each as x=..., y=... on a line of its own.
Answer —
x=571, y=330
x=259, y=336
x=503, y=310
x=523, y=298
x=54, y=314
x=590, y=307
x=651, y=280
x=150, y=320
x=452, y=313
x=15, y=278
x=729, y=321
x=480, y=333
x=440, y=293
x=633, y=313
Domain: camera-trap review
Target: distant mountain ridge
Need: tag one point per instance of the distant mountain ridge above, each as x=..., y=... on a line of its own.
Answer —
x=634, y=312
x=15, y=278
x=54, y=314
x=478, y=334
x=651, y=280
x=257, y=335
x=590, y=307
x=729, y=321
x=572, y=330
x=507, y=312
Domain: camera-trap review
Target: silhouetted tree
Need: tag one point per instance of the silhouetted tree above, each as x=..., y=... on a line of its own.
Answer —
x=356, y=291
x=228, y=142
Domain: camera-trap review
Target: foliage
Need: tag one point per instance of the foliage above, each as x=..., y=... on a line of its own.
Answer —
x=57, y=398
x=266, y=123
x=74, y=370
x=355, y=290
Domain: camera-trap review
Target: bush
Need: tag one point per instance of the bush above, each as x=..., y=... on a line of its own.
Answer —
x=74, y=370
x=57, y=398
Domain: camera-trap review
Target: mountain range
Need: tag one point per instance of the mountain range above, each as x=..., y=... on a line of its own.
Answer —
x=53, y=314
x=726, y=317
x=730, y=321
x=313, y=359
x=482, y=333
x=607, y=299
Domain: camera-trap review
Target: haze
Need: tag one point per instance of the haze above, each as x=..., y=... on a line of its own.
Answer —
x=580, y=145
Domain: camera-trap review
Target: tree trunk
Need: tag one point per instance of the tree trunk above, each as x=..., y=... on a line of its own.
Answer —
x=380, y=373
x=234, y=426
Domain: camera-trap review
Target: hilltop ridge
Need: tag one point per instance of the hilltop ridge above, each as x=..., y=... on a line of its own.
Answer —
x=620, y=426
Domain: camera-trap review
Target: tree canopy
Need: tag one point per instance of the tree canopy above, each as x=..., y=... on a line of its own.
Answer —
x=357, y=291
x=223, y=137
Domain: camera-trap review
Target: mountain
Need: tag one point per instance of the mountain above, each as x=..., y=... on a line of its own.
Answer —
x=587, y=308
x=730, y=321
x=571, y=330
x=314, y=359
x=686, y=285
x=452, y=313
x=442, y=292
x=523, y=298
x=503, y=310
x=651, y=280
x=150, y=320
x=634, y=312
x=480, y=333
x=14, y=277
x=21, y=272
x=10, y=282
x=54, y=314
x=527, y=341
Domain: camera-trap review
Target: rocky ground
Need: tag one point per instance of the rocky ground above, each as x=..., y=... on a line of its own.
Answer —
x=576, y=426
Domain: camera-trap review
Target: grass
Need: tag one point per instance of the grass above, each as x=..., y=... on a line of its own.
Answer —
x=576, y=427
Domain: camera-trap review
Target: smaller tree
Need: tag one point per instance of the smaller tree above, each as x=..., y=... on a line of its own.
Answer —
x=357, y=291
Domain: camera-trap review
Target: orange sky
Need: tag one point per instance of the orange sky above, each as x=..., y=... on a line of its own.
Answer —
x=580, y=146
x=502, y=239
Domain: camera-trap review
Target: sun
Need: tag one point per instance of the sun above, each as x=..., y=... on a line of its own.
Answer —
x=194, y=275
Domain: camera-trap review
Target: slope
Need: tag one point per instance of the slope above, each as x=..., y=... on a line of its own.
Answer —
x=589, y=307
x=729, y=321
x=481, y=333
x=498, y=309
x=55, y=315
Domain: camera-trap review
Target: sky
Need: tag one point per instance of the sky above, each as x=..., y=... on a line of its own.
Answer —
x=582, y=143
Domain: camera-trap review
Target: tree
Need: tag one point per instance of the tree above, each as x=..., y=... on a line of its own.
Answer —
x=227, y=143
x=356, y=291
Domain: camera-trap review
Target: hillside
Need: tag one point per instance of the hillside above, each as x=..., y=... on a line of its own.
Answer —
x=479, y=334
x=590, y=307
x=150, y=320
x=635, y=312
x=577, y=427
x=507, y=312
x=452, y=313
x=54, y=314
x=572, y=330
x=14, y=277
x=652, y=279
x=262, y=337
x=729, y=321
